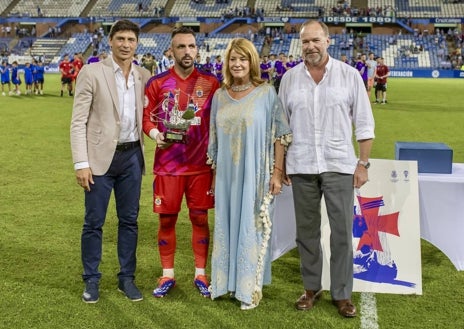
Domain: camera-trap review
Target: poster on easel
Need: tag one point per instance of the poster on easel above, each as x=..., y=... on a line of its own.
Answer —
x=386, y=231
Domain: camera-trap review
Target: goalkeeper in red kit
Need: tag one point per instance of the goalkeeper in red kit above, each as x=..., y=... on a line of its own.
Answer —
x=180, y=163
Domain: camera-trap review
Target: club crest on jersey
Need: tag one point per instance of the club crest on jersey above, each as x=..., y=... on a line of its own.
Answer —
x=158, y=201
x=199, y=92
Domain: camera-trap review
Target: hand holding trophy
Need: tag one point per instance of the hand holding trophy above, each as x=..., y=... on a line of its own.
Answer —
x=175, y=120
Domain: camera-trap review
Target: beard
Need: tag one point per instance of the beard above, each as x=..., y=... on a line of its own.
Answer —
x=183, y=65
x=314, y=58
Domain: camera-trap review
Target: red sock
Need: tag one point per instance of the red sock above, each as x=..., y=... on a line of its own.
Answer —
x=200, y=236
x=167, y=239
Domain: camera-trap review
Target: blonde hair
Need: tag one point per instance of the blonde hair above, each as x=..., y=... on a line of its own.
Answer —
x=244, y=48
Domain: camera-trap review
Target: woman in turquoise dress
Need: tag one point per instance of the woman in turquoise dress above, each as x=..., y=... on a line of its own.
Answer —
x=248, y=135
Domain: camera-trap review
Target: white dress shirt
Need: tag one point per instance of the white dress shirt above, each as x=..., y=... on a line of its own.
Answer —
x=127, y=107
x=322, y=116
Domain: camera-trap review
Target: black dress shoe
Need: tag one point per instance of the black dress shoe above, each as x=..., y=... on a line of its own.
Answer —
x=345, y=308
x=307, y=300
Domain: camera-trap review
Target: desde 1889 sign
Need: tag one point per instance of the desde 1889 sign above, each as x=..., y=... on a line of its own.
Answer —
x=348, y=19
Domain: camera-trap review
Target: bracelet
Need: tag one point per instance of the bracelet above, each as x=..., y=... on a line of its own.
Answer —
x=278, y=169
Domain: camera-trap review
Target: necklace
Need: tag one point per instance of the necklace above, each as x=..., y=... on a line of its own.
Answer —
x=241, y=87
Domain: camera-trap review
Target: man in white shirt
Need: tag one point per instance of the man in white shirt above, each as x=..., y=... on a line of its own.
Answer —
x=324, y=98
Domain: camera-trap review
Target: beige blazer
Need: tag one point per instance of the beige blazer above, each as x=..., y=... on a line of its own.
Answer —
x=95, y=122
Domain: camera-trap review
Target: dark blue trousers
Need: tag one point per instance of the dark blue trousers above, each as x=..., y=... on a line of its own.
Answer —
x=124, y=177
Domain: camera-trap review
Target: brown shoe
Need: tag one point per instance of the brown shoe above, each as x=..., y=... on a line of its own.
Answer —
x=306, y=301
x=345, y=308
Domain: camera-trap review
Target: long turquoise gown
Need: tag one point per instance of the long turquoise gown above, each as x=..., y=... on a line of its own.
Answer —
x=241, y=149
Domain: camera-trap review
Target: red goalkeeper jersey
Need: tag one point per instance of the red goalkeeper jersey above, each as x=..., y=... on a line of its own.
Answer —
x=166, y=93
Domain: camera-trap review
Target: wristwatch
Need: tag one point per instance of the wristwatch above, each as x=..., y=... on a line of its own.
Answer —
x=365, y=164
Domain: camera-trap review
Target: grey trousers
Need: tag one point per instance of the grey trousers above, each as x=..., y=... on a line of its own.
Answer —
x=338, y=193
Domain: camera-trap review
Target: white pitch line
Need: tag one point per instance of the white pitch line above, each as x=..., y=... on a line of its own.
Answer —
x=368, y=311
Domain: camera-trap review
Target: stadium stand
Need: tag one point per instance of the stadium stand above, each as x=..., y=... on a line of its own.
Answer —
x=157, y=43
x=415, y=48
x=210, y=8
x=77, y=43
x=187, y=8
x=5, y=44
x=134, y=8
x=49, y=49
x=298, y=8
x=398, y=8
x=4, y=4
x=50, y=8
x=429, y=8
x=148, y=43
x=405, y=51
x=452, y=9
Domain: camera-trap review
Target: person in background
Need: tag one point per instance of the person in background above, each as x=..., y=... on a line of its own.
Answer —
x=135, y=59
x=272, y=73
x=67, y=75
x=266, y=69
x=28, y=78
x=197, y=63
x=94, y=58
x=345, y=59
x=15, y=78
x=362, y=68
x=39, y=77
x=5, y=77
x=149, y=62
x=165, y=63
x=291, y=63
x=208, y=66
x=248, y=133
x=34, y=65
x=107, y=151
x=218, y=68
x=371, y=69
x=321, y=161
x=381, y=75
x=180, y=168
x=280, y=67
x=78, y=63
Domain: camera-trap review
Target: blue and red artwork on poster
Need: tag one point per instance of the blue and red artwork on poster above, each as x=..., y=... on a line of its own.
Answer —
x=372, y=259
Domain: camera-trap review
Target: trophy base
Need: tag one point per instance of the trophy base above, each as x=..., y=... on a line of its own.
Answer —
x=175, y=137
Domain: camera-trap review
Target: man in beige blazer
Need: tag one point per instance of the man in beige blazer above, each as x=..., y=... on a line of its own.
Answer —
x=107, y=151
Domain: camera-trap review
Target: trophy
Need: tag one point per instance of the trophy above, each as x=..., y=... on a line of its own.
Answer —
x=176, y=120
